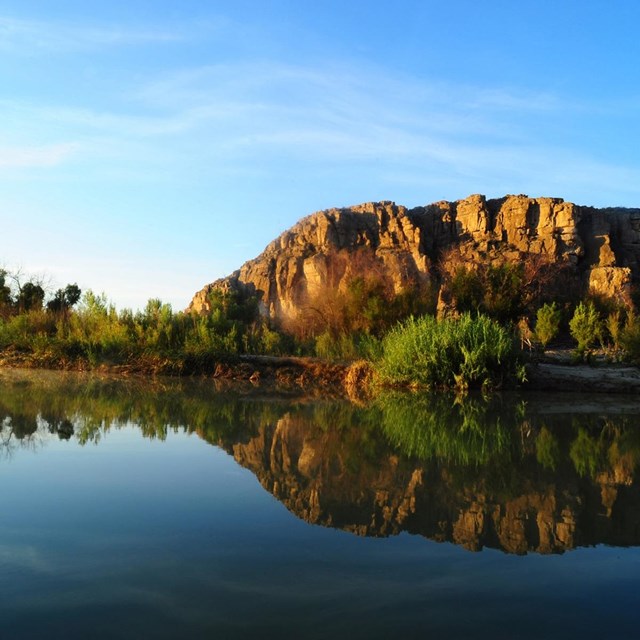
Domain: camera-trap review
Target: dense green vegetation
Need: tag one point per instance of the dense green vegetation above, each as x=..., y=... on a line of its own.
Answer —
x=487, y=313
x=73, y=330
x=548, y=318
x=469, y=351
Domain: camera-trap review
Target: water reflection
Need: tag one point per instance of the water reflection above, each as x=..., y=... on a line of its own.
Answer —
x=533, y=474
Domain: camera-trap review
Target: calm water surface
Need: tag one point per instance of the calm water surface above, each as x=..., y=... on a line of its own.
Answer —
x=174, y=510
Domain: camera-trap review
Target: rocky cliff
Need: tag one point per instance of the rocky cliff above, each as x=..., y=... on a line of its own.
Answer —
x=406, y=248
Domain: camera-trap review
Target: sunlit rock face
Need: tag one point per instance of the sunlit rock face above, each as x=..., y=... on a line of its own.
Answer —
x=404, y=247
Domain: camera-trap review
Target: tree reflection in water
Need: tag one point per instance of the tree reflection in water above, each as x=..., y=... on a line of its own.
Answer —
x=515, y=473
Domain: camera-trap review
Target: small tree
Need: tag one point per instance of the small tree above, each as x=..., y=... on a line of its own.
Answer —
x=5, y=289
x=615, y=327
x=503, y=291
x=64, y=299
x=30, y=297
x=585, y=326
x=548, y=320
x=467, y=289
x=630, y=338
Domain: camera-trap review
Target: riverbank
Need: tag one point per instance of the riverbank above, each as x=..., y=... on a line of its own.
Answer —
x=554, y=372
x=557, y=371
x=283, y=372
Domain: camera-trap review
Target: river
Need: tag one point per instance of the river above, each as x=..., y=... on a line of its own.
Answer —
x=170, y=508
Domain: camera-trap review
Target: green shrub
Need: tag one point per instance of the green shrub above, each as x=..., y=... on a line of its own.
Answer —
x=469, y=351
x=342, y=347
x=495, y=290
x=615, y=327
x=630, y=339
x=585, y=327
x=503, y=294
x=548, y=320
x=467, y=289
x=352, y=346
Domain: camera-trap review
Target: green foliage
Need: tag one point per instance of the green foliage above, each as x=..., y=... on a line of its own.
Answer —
x=454, y=353
x=64, y=299
x=96, y=333
x=503, y=292
x=27, y=331
x=495, y=290
x=5, y=290
x=548, y=320
x=30, y=297
x=467, y=289
x=614, y=324
x=368, y=304
x=352, y=346
x=630, y=339
x=585, y=326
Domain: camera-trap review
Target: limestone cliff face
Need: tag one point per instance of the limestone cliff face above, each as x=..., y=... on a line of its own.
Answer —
x=404, y=247
x=327, y=249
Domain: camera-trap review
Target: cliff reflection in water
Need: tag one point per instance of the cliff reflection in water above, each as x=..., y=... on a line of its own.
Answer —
x=543, y=475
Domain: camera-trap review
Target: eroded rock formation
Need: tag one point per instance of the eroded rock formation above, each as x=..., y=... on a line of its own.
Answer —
x=405, y=247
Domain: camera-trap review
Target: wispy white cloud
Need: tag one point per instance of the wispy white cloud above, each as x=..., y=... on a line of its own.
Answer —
x=23, y=157
x=521, y=100
x=319, y=111
x=233, y=117
x=31, y=37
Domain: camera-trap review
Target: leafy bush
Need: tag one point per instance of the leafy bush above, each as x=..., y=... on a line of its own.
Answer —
x=347, y=346
x=585, y=326
x=340, y=348
x=496, y=290
x=615, y=326
x=469, y=351
x=503, y=293
x=466, y=288
x=630, y=339
x=548, y=320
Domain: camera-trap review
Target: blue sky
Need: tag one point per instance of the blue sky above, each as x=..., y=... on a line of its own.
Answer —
x=150, y=147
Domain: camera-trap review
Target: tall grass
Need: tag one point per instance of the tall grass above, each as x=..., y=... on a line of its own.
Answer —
x=465, y=352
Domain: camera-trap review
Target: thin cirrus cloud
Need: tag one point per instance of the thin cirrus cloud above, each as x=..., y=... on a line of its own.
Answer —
x=316, y=111
x=31, y=37
x=33, y=156
x=236, y=114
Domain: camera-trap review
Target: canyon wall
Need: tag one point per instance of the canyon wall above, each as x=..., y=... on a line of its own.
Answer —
x=406, y=248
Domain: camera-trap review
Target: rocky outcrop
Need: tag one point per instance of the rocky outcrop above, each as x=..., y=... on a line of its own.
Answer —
x=404, y=248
